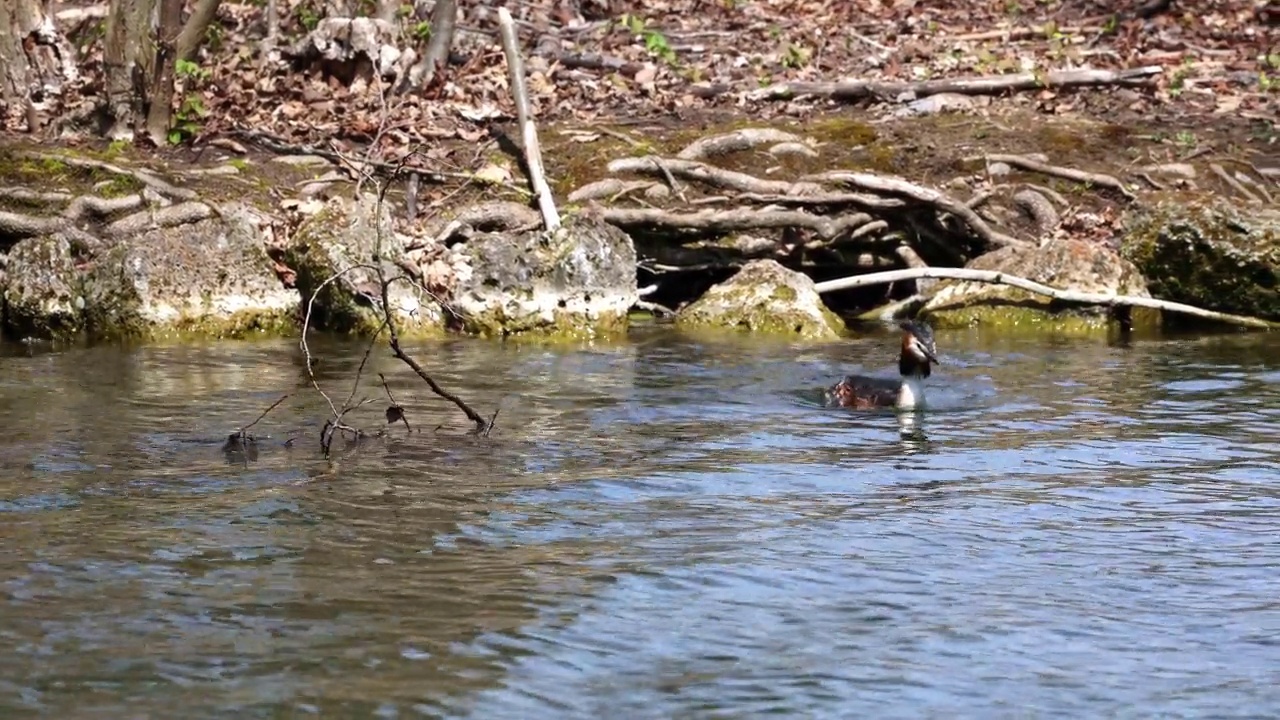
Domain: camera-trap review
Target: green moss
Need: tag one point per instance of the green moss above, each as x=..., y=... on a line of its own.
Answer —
x=1035, y=317
x=1207, y=254
x=564, y=326
x=740, y=307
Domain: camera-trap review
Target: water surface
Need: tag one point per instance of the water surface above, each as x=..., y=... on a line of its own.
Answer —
x=660, y=528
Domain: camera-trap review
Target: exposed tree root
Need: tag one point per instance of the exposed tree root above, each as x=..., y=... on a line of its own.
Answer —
x=1099, y=179
x=1042, y=213
x=1066, y=296
x=142, y=176
x=708, y=175
x=734, y=219
x=610, y=188
x=735, y=141
x=898, y=187
x=144, y=220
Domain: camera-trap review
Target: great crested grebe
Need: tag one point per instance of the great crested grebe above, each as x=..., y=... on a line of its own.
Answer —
x=918, y=354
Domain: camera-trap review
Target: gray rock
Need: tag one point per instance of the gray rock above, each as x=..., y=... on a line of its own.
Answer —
x=341, y=241
x=764, y=297
x=581, y=280
x=211, y=278
x=43, y=298
x=1063, y=263
x=1210, y=255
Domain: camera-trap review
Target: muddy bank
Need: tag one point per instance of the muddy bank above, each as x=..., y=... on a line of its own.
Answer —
x=105, y=241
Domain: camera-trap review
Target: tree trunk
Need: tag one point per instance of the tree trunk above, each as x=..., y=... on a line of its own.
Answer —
x=160, y=110
x=139, y=54
x=127, y=58
x=36, y=64
x=444, y=18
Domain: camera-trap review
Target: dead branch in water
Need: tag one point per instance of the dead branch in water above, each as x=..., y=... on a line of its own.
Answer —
x=524, y=115
x=1067, y=296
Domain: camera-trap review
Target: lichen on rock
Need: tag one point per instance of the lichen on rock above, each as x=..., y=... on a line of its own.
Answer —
x=43, y=297
x=1209, y=254
x=342, y=241
x=764, y=297
x=1064, y=263
x=211, y=278
x=577, y=281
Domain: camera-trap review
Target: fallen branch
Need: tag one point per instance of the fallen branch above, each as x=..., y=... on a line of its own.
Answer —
x=1067, y=296
x=1018, y=33
x=528, y=131
x=850, y=90
x=734, y=219
x=1080, y=176
x=897, y=186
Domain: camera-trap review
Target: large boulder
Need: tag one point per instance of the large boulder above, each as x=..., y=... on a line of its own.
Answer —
x=1064, y=263
x=43, y=297
x=579, y=280
x=1210, y=255
x=333, y=252
x=211, y=278
x=764, y=297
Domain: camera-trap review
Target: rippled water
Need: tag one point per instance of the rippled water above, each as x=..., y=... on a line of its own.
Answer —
x=658, y=529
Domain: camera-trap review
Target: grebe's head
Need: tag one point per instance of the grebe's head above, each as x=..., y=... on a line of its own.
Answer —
x=918, y=350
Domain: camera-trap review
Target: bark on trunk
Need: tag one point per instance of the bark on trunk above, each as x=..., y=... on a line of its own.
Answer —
x=444, y=18
x=127, y=60
x=160, y=110
x=36, y=64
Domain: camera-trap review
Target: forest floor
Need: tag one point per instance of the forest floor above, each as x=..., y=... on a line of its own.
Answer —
x=686, y=64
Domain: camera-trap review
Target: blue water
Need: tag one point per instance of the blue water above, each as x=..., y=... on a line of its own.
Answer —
x=667, y=527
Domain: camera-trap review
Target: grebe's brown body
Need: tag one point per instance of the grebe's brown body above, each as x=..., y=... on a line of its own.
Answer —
x=914, y=364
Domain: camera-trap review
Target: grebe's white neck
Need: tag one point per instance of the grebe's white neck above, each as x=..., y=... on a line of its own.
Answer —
x=910, y=393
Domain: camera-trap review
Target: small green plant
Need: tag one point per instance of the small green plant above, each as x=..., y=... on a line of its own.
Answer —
x=116, y=148
x=796, y=56
x=1185, y=139
x=654, y=41
x=1266, y=83
x=188, y=70
x=1179, y=80
x=308, y=17
x=421, y=31
x=188, y=120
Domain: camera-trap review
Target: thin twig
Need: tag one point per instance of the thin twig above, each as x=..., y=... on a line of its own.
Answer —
x=242, y=432
x=1069, y=296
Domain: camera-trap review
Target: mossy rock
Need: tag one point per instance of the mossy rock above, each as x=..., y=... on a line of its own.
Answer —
x=43, y=296
x=1209, y=254
x=765, y=297
x=342, y=240
x=1064, y=263
x=210, y=279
